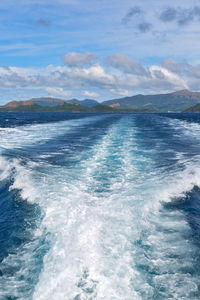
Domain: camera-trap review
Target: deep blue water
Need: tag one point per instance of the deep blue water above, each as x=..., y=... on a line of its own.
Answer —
x=99, y=206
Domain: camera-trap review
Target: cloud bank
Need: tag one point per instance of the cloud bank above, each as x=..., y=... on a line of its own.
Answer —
x=117, y=75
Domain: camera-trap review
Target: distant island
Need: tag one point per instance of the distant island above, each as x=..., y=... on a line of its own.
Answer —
x=180, y=101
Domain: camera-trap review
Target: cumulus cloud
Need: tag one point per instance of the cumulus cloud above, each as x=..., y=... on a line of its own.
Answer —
x=89, y=94
x=190, y=72
x=56, y=76
x=58, y=92
x=171, y=65
x=126, y=64
x=94, y=75
x=74, y=59
x=166, y=79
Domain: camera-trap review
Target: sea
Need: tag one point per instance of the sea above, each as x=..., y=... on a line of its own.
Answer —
x=99, y=206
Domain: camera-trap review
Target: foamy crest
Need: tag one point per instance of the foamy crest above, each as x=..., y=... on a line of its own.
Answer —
x=4, y=168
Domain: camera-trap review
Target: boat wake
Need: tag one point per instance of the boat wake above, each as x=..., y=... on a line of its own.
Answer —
x=109, y=214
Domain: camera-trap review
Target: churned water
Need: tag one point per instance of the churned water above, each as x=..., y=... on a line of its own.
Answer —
x=103, y=206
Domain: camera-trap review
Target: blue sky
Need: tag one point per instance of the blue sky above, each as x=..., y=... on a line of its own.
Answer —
x=98, y=49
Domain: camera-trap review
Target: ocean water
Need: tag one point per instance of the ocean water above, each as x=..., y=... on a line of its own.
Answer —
x=99, y=206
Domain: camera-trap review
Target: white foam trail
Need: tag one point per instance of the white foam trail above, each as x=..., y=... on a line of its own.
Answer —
x=110, y=237
x=23, y=136
x=185, y=128
x=97, y=253
x=74, y=217
x=24, y=261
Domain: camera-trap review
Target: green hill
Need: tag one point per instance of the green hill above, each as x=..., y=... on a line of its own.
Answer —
x=171, y=102
x=29, y=106
x=195, y=108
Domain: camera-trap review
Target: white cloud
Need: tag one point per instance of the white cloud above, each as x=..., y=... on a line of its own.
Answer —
x=95, y=74
x=159, y=72
x=74, y=59
x=58, y=92
x=65, y=81
x=90, y=94
x=120, y=92
x=126, y=64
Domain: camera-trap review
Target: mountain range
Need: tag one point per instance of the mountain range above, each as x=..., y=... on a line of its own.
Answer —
x=171, y=102
x=52, y=105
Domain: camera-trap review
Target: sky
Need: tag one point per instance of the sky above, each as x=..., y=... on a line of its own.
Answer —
x=98, y=49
